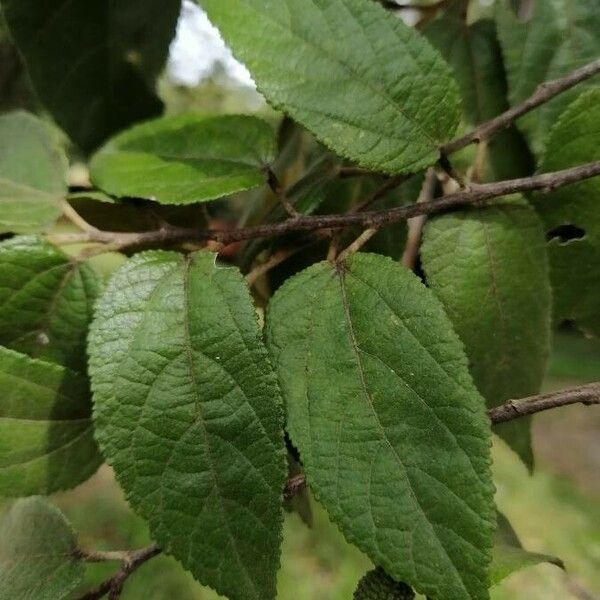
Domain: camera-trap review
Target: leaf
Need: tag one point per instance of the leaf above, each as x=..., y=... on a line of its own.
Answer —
x=391, y=430
x=378, y=585
x=488, y=266
x=367, y=85
x=32, y=174
x=574, y=258
x=94, y=63
x=46, y=301
x=46, y=434
x=38, y=555
x=561, y=36
x=187, y=411
x=509, y=556
x=475, y=56
x=185, y=159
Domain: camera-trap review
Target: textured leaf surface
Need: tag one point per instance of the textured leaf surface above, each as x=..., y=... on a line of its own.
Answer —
x=488, y=266
x=561, y=36
x=46, y=301
x=32, y=174
x=475, y=56
x=391, y=430
x=368, y=86
x=509, y=555
x=575, y=261
x=185, y=159
x=188, y=413
x=378, y=585
x=46, y=434
x=93, y=63
x=37, y=553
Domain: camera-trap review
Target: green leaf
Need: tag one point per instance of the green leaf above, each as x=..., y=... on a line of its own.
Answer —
x=561, y=36
x=475, y=56
x=391, y=430
x=378, y=585
x=185, y=159
x=46, y=301
x=367, y=85
x=38, y=554
x=94, y=63
x=488, y=266
x=188, y=413
x=46, y=434
x=509, y=556
x=574, y=259
x=32, y=174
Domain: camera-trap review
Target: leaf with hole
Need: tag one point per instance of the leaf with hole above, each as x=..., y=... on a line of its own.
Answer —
x=188, y=413
x=93, y=63
x=38, y=553
x=32, y=174
x=46, y=434
x=364, y=83
x=488, y=267
x=186, y=159
x=46, y=301
x=392, y=432
x=571, y=215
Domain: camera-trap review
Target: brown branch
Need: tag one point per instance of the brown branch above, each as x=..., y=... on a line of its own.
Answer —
x=281, y=195
x=585, y=394
x=544, y=93
x=114, y=585
x=513, y=409
x=368, y=220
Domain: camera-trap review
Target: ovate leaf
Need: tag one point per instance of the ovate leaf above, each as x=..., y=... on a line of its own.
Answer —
x=46, y=301
x=391, y=430
x=572, y=216
x=94, y=63
x=560, y=36
x=32, y=174
x=188, y=413
x=509, y=555
x=368, y=86
x=488, y=267
x=46, y=433
x=38, y=554
x=185, y=159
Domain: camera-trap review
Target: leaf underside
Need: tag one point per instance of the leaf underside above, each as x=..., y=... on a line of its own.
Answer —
x=390, y=428
x=46, y=301
x=32, y=174
x=187, y=411
x=37, y=553
x=186, y=159
x=368, y=86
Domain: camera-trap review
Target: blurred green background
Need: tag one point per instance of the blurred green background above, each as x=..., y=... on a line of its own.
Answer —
x=556, y=511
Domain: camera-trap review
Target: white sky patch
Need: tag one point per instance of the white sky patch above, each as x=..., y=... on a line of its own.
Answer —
x=198, y=51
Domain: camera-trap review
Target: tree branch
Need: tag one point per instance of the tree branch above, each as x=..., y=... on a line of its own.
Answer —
x=113, y=586
x=368, y=220
x=513, y=409
x=585, y=394
x=544, y=93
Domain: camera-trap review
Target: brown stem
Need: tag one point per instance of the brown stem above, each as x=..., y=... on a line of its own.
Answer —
x=368, y=220
x=585, y=394
x=544, y=93
x=279, y=192
x=114, y=585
